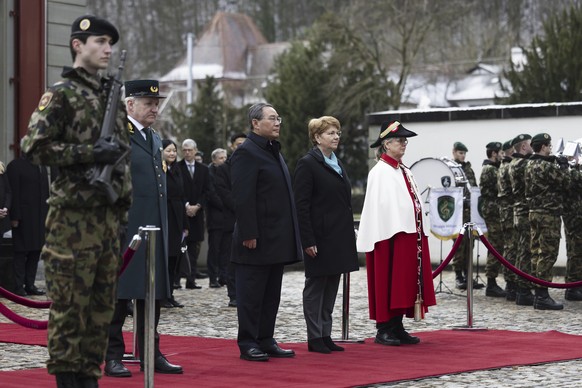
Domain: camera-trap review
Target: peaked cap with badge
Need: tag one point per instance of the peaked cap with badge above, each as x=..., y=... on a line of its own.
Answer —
x=143, y=88
x=94, y=25
x=391, y=129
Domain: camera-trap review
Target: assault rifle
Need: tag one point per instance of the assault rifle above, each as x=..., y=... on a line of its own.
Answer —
x=100, y=175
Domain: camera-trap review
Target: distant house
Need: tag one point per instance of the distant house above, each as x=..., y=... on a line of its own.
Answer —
x=234, y=52
x=481, y=86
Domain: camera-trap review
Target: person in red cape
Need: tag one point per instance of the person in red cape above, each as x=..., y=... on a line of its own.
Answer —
x=393, y=236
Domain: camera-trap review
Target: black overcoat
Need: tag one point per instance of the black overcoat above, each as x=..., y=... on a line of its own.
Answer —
x=323, y=198
x=214, y=214
x=177, y=218
x=224, y=191
x=30, y=191
x=149, y=207
x=5, y=201
x=264, y=205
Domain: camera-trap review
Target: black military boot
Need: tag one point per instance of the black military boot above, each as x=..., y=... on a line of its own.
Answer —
x=493, y=289
x=385, y=335
x=402, y=334
x=67, y=380
x=461, y=282
x=510, y=291
x=573, y=294
x=543, y=301
x=523, y=297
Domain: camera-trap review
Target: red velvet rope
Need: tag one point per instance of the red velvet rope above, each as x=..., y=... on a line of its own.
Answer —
x=523, y=274
x=451, y=254
x=41, y=325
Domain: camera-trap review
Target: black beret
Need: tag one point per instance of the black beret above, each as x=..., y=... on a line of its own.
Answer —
x=494, y=146
x=541, y=138
x=460, y=146
x=390, y=129
x=143, y=88
x=520, y=138
x=507, y=145
x=94, y=25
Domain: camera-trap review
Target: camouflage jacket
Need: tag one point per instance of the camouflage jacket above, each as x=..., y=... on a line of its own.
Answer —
x=573, y=196
x=545, y=184
x=517, y=178
x=469, y=173
x=488, y=187
x=504, y=192
x=62, y=131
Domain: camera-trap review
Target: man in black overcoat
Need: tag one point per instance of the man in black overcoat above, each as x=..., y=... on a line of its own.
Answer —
x=266, y=234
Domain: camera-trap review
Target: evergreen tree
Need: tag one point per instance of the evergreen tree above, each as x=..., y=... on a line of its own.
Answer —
x=553, y=72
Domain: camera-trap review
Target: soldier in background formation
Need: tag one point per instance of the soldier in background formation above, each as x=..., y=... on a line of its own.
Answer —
x=464, y=252
x=489, y=192
x=82, y=250
x=522, y=152
x=546, y=179
x=572, y=217
x=505, y=202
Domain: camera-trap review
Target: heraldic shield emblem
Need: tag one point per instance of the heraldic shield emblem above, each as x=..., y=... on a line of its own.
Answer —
x=446, y=181
x=446, y=207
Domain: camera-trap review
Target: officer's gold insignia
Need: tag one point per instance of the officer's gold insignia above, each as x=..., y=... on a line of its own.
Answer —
x=45, y=100
x=164, y=166
x=130, y=128
x=153, y=89
x=85, y=24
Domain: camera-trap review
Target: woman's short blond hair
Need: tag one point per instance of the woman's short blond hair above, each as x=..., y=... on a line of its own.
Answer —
x=320, y=125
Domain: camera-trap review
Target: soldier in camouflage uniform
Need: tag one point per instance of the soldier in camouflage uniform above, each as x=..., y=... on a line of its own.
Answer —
x=82, y=250
x=572, y=218
x=464, y=253
x=522, y=147
x=546, y=180
x=488, y=186
x=505, y=201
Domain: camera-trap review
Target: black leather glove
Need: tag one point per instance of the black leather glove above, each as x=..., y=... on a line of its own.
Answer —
x=107, y=150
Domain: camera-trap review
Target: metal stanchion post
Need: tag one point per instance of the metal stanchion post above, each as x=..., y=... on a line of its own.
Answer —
x=346, y=311
x=469, y=325
x=134, y=357
x=150, y=294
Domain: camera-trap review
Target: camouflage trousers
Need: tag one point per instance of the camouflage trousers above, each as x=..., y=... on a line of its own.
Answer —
x=509, y=240
x=522, y=248
x=545, y=243
x=81, y=258
x=495, y=237
x=573, y=229
x=464, y=253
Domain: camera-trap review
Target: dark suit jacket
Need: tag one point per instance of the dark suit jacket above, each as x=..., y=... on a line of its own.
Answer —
x=324, y=210
x=264, y=205
x=224, y=190
x=30, y=191
x=177, y=218
x=214, y=214
x=198, y=189
x=149, y=207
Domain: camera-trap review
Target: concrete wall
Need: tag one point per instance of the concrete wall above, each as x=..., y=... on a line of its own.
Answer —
x=438, y=129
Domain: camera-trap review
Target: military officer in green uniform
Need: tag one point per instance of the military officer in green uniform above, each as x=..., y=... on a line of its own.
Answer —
x=464, y=252
x=522, y=152
x=572, y=218
x=505, y=201
x=490, y=209
x=546, y=179
x=82, y=250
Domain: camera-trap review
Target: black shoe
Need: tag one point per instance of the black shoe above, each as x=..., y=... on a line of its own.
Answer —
x=523, y=297
x=177, y=286
x=316, y=345
x=573, y=294
x=87, y=382
x=385, y=338
x=166, y=304
x=201, y=275
x=214, y=284
x=477, y=285
x=232, y=303
x=510, y=295
x=495, y=291
x=34, y=291
x=404, y=337
x=192, y=286
x=543, y=301
x=175, y=303
x=162, y=365
x=254, y=354
x=275, y=351
x=67, y=380
x=20, y=292
x=331, y=345
x=222, y=282
x=115, y=368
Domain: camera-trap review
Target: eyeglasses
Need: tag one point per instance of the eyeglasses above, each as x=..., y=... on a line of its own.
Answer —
x=401, y=140
x=334, y=133
x=278, y=119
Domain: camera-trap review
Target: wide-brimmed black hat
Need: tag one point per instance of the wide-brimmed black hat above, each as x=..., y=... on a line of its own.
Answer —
x=390, y=129
x=94, y=25
x=143, y=88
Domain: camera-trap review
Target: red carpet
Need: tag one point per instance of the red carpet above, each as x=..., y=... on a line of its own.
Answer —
x=215, y=362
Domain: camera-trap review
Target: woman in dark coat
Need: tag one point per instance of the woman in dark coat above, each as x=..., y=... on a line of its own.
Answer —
x=323, y=199
x=177, y=219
